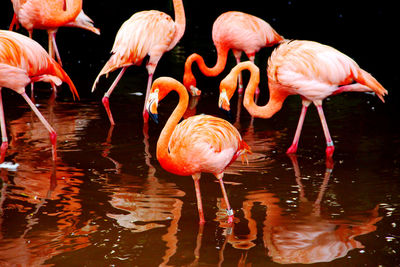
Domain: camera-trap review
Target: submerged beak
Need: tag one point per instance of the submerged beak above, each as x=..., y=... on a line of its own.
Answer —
x=195, y=91
x=151, y=105
x=223, y=100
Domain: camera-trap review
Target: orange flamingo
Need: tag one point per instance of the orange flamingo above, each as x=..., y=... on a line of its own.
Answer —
x=198, y=144
x=306, y=68
x=23, y=61
x=145, y=33
x=50, y=15
x=237, y=31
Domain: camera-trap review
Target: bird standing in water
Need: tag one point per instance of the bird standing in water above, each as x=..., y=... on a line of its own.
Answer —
x=237, y=31
x=201, y=143
x=306, y=68
x=23, y=61
x=50, y=15
x=145, y=33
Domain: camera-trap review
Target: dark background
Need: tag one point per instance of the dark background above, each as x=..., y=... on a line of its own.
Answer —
x=364, y=30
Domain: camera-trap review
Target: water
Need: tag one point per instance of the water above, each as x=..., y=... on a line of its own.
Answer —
x=107, y=202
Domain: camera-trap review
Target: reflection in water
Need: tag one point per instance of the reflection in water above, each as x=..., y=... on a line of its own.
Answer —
x=117, y=206
x=40, y=208
x=306, y=235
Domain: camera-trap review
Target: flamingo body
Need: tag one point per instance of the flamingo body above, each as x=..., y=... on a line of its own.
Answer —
x=146, y=33
x=234, y=30
x=23, y=61
x=198, y=144
x=306, y=68
x=203, y=143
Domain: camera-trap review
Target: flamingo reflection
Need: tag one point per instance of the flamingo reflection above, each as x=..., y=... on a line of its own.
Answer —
x=306, y=235
x=40, y=195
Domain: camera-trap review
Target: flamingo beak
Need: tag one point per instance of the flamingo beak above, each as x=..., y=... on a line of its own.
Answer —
x=195, y=91
x=223, y=101
x=152, y=104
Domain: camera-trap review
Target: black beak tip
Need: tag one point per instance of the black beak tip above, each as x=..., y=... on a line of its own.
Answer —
x=154, y=117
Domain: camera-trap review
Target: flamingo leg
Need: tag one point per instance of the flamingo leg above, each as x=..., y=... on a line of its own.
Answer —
x=329, y=143
x=53, y=50
x=14, y=21
x=228, y=206
x=196, y=178
x=293, y=148
x=106, y=102
x=53, y=134
x=238, y=55
x=4, y=139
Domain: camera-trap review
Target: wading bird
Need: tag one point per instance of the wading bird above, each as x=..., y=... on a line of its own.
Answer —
x=237, y=31
x=50, y=15
x=198, y=144
x=23, y=61
x=145, y=33
x=306, y=68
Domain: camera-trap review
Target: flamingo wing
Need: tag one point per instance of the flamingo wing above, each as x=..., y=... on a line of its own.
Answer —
x=243, y=32
x=310, y=69
x=22, y=52
x=204, y=143
x=145, y=33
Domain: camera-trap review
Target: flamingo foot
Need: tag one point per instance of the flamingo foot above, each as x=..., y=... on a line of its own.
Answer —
x=292, y=149
x=106, y=104
x=3, y=150
x=329, y=151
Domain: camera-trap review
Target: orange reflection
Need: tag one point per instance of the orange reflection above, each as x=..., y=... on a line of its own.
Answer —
x=306, y=235
x=40, y=199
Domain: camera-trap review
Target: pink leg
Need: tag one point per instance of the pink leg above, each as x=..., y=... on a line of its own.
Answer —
x=228, y=206
x=53, y=50
x=293, y=148
x=105, y=100
x=4, y=139
x=53, y=134
x=196, y=178
x=238, y=55
x=329, y=143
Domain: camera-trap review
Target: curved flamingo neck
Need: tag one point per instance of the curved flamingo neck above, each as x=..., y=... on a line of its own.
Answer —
x=180, y=22
x=276, y=98
x=163, y=155
x=213, y=71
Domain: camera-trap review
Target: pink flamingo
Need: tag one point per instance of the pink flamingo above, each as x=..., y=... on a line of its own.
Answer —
x=237, y=31
x=145, y=33
x=50, y=15
x=306, y=68
x=23, y=61
x=198, y=144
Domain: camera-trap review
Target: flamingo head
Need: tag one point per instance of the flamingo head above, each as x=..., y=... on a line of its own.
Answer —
x=226, y=89
x=190, y=83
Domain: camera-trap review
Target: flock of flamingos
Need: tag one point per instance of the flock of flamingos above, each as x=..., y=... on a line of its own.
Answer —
x=201, y=143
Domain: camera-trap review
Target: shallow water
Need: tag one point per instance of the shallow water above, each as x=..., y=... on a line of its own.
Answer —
x=107, y=202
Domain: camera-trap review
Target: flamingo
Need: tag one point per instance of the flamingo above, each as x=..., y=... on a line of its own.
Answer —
x=306, y=68
x=237, y=31
x=145, y=33
x=201, y=143
x=22, y=61
x=50, y=15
